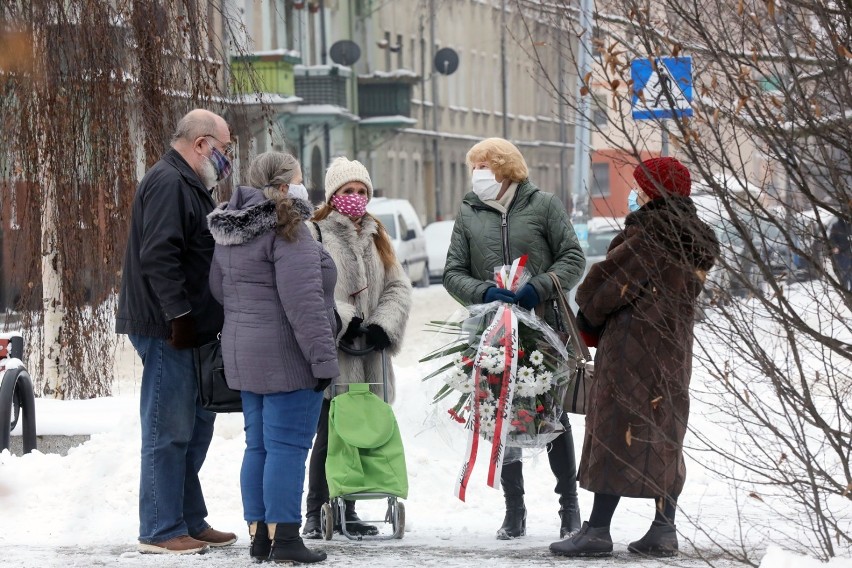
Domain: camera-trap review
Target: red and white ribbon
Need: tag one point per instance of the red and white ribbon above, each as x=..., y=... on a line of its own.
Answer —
x=504, y=329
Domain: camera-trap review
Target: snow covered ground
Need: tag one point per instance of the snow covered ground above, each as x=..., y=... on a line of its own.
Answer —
x=81, y=510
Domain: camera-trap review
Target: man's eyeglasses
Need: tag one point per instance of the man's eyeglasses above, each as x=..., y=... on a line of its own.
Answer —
x=229, y=147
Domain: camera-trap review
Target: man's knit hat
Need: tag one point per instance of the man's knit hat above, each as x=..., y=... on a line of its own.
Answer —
x=342, y=171
x=662, y=177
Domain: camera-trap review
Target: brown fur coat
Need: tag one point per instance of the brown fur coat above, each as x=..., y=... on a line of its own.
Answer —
x=642, y=300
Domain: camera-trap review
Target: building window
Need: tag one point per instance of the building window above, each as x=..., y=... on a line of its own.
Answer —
x=599, y=185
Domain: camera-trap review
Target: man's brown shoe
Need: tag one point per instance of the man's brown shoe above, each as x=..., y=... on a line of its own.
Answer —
x=183, y=544
x=215, y=538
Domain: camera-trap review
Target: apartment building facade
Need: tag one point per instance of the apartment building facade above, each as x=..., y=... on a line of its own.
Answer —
x=390, y=107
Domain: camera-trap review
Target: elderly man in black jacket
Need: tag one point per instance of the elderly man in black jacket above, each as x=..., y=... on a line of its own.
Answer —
x=166, y=308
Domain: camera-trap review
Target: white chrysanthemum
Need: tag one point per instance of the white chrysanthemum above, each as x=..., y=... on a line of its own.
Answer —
x=543, y=382
x=545, y=377
x=487, y=425
x=536, y=358
x=526, y=374
x=525, y=390
x=487, y=411
x=461, y=381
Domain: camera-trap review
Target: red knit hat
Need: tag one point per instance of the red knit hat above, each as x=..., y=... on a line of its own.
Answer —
x=659, y=177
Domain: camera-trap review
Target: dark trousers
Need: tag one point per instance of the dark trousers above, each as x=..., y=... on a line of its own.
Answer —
x=317, y=484
x=563, y=464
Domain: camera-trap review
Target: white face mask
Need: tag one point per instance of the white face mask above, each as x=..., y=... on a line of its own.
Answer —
x=297, y=191
x=484, y=185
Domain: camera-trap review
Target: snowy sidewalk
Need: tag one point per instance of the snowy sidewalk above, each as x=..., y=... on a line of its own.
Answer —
x=81, y=510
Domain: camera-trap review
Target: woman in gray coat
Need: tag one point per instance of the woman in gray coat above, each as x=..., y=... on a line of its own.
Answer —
x=278, y=343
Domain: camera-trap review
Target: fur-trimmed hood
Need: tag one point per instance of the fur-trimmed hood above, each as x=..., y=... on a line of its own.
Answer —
x=248, y=215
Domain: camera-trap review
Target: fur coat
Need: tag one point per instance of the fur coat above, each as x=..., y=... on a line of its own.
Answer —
x=641, y=300
x=365, y=288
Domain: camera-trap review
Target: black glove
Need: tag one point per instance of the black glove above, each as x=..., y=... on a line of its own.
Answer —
x=183, y=334
x=377, y=337
x=322, y=384
x=527, y=297
x=352, y=330
x=494, y=294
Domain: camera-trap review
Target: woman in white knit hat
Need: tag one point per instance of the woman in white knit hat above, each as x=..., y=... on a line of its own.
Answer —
x=372, y=293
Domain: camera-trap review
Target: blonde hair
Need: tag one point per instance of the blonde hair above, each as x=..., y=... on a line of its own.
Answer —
x=268, y=172
x=502, y=157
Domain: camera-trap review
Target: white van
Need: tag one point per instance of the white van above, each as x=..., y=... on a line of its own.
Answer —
x=406, y=233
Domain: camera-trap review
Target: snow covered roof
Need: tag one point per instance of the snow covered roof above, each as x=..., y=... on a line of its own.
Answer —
x=321, y=70
x=391, y=120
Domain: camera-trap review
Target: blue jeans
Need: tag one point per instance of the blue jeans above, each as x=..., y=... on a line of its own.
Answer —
x=176, y=433
x=279, y=430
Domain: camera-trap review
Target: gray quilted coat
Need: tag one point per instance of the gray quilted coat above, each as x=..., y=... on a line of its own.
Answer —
x=278, y=297
x=535, y=224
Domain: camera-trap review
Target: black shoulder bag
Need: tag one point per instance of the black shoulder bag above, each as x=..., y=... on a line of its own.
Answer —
x=214, y=391
x=576, y=395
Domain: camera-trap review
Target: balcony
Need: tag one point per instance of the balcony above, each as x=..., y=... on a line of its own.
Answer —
x=273, y=73
x=386, y=94
x=322, y=84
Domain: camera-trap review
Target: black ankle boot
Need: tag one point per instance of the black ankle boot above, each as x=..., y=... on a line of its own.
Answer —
x=659, y=541
x=515, y=521
x=311, y=530
x=260, y=541
x=587, y=541
x=569, y=515
x=563, y=464
x=287, y=545
x=354, y=524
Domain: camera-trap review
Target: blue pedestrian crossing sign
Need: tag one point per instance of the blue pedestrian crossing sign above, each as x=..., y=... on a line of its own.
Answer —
x=661, y=88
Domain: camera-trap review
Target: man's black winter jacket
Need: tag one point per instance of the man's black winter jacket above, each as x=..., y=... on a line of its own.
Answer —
x=169, y=250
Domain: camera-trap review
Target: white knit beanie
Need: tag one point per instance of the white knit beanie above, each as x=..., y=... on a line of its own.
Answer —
x=342, y=171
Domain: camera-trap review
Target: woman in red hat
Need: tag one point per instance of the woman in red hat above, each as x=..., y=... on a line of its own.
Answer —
x=639, y=305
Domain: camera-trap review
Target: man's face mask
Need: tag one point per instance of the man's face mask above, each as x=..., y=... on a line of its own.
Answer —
x=220, y=162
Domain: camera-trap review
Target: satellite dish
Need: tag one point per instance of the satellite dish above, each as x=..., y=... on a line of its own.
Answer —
x=345, y=52
x=446, y=61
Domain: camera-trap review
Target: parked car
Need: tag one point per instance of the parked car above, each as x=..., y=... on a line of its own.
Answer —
x=735, y=273
x=438, y=236
x=406, y=233
x=601, y=232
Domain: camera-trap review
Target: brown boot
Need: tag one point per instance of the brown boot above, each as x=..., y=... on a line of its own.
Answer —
x=215, y=538
x=183, y=544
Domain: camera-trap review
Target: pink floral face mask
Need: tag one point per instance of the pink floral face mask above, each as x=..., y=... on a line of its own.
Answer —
x=351, y=205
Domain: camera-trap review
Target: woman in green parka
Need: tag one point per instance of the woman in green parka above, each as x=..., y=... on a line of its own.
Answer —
x=503, y=218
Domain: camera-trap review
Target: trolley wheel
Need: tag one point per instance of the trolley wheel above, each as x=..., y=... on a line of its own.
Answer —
x=327, y=521
x=399, y=525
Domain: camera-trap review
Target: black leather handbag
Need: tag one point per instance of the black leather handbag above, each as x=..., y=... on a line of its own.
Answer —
x=215, y=394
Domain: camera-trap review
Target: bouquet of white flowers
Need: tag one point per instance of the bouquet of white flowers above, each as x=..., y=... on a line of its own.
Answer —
x=505, y=376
